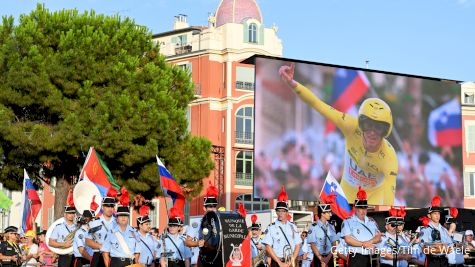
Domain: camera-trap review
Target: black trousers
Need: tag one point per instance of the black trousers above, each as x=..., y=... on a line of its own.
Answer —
x=176, y=263
x=317, y=263
x=97, y=260
x=359, y=260
x=437, y=261
x=275, y=264
x=80, y=261
x=65, y=260
x=120, y=262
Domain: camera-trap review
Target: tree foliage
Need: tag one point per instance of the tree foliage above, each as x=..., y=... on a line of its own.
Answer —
x=71, y=80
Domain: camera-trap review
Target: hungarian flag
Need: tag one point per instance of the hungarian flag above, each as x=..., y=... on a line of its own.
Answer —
x=170, y=186
x=97, y=172
x=30, y=202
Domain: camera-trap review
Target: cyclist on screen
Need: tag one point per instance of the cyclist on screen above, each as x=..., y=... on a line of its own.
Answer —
x=370, y=160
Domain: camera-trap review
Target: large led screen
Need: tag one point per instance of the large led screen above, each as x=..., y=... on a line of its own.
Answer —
x=396, y=136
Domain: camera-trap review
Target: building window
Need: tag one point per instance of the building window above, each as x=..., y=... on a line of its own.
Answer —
x=50, y=216
x=153, y=214
x=252, y=30
x=245, y=78
x=470, y=138
x=469, y=98
x=244, y=126
x=244, y=170
x=469, y=184
x=239, y=85
x=251, y=204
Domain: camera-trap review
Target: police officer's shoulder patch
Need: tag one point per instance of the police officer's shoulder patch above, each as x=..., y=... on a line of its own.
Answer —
x=194, y=225
x=81, y=236
x=309, y=232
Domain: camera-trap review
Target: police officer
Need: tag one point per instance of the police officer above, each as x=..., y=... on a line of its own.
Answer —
x=322, y=236
x=147, y=243
x=101, y=228
x=256, y=247
x=361, y=233
x=173, y=244
x=393, y=245
x=435, y=233
x=83, y=253
x=63, y=230
x=210, y=203
x=120, y=247
x=281, y=237
x=10, y=252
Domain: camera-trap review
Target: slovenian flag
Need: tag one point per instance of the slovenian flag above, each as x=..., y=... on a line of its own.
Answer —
x=31, y=203
x=97, y=172
x=341, y=207
x=170, y=186
x=349, y=86
x=445, y=125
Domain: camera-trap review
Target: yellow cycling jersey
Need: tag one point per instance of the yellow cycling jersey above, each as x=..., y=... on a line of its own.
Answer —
x=375, y=172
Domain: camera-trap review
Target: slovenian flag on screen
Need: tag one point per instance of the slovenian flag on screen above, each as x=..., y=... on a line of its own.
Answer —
x=97, y=172
x=341, y=207
x=170, y=186
x=445, y=125
x=349, y=86
x=30, y=202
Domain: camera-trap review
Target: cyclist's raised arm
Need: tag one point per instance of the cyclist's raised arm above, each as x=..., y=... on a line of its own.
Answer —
x=342, y=120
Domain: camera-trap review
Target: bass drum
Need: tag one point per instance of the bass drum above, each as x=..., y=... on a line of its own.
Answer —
x=223, y=233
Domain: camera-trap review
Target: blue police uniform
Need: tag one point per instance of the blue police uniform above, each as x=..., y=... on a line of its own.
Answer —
x=80, y=241
x=117, y=253
x=417, y=252
x=282, y=240
x=105, y=229
x=323, y=236
x=342, y=248
x=175, y=247
x=255, y=241
x=431, y=234
x=305, y=248
x=59, y=233
x=147, y=247
x=361, y=231
x=388, y=244
x=193, y=232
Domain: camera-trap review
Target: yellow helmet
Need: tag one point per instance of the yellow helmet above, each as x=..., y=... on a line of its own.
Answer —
x=377, y=110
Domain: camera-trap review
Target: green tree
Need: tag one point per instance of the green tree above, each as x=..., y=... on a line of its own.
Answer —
x=71, y=80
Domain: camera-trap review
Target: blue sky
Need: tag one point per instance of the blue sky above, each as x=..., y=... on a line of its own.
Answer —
x=434, y=38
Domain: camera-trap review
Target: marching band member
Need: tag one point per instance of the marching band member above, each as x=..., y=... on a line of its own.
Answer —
x=10, y=252
x=175, y=243
x=256, y=246
x=393, y=242
x=435, y=233
x=104, y=224
x=361, y=233
x=63, y=230
x=147, y=243
x=305, y=253
x=210, y=203
x=83, y=253
x=454, y=257
x=120, y=247
x=342, y=253
x=281, y=237
x=322, y=235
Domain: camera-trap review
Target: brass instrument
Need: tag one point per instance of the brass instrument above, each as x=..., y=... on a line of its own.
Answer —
x=60, y=251
x=288, y=256
x=259, y=259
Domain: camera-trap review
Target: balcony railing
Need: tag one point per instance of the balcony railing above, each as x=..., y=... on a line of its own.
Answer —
x=245, y=179
x=244, y=137
x=197, y=88
x=182, y=49
x=245, y=85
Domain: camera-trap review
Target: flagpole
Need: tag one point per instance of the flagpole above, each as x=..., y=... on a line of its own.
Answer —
x=164, y=234
x=22, y=202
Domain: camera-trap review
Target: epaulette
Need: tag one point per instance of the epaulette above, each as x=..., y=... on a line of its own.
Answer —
x=371, y=219
x=314, y=224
